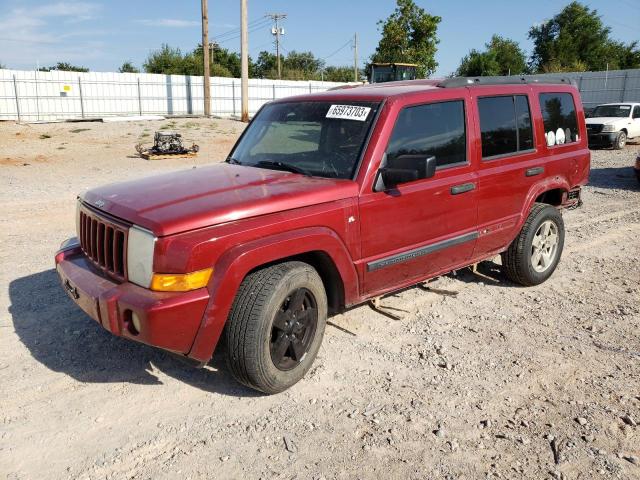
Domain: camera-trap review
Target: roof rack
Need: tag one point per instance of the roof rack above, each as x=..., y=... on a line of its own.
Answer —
x=469, y=81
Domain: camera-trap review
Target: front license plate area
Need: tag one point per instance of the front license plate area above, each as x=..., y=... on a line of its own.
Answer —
x=88, y=304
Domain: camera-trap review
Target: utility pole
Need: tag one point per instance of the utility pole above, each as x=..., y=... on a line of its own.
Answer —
x=355, y=57
x=205, y=58
x=277, y=31
x=244, y=62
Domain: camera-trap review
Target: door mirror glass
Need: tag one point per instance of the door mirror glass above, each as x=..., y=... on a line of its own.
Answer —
x=407, y=168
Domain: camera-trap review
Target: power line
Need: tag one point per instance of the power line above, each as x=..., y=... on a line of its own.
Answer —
x=256, y=28
x=236, y=31
x=262, y=45
x=620, y=24
x=348, y=42
x=629, y=4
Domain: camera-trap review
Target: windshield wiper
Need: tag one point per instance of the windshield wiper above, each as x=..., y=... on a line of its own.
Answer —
x=282, y=166
x=233, y=161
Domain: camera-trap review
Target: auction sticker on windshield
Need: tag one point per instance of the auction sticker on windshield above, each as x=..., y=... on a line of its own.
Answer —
x=348, y=112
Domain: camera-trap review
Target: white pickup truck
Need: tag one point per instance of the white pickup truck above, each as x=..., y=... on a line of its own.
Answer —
x=612, y=124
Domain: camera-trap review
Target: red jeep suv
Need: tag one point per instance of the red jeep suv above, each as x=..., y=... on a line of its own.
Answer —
x=326, y=201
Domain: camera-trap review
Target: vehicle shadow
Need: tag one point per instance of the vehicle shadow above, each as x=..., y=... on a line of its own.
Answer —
x=64, y=339
x=616, y=178
x=487, y=272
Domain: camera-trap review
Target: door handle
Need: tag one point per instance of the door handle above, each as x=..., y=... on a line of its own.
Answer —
x=465, y=187
x=532, y=172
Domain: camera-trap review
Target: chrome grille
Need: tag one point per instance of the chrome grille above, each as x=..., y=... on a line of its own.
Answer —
x=104, y=242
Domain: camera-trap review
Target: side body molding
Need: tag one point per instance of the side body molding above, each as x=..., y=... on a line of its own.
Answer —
x=234, y=265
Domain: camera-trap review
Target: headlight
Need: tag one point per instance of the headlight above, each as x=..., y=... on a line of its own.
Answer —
x=609, y=128
x=140, y=248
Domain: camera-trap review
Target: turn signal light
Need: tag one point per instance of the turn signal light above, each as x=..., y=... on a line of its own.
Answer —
x=180, y=282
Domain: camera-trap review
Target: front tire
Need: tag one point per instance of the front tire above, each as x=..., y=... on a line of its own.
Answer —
x=534, y=255
x=621, y=141
x=275, y=326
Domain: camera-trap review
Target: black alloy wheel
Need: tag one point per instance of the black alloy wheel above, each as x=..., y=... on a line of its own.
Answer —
x=293, y=329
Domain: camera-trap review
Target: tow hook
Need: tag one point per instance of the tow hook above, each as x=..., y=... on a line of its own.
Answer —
x=71, y=290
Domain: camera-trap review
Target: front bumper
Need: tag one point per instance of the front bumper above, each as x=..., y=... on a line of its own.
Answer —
x=602, y=139
x=167, y=320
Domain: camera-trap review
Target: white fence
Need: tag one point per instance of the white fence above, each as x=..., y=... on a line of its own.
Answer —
x=32, y=96
x=604, y=87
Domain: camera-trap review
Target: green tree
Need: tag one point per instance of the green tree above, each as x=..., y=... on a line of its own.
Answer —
x=2, y=66
x=128, y=67
x=168, y=61
x=477, y=64
x=303, y=61
x=508, y=54
x=265, y=64
x=409, y=36
x=222, y=63
x=501, y=57
x=576, y=39
x=340, y=74
x=628, y=56
x=171, y=61
x=295, y=66
x=64, y=67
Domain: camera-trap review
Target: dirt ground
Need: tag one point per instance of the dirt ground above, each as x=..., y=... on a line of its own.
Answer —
x=493, y=382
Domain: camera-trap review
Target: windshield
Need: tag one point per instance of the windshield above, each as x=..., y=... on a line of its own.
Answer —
x=611, y=111
x=314, y=138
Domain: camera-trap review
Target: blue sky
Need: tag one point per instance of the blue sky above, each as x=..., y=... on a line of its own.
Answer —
x=102, y=34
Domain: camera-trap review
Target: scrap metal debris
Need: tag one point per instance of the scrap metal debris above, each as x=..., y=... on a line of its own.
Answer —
x=166, y=144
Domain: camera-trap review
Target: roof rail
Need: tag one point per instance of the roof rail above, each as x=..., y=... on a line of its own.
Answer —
x=470, y=81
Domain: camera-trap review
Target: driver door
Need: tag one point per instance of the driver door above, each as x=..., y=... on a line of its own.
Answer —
x=426, y=226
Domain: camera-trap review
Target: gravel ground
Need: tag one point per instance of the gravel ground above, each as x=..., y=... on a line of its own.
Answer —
x=498, y=381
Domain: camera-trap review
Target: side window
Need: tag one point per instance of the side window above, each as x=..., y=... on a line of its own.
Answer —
x=505, y=125
x=436, y=129
x=636, y=111
x=559, y=115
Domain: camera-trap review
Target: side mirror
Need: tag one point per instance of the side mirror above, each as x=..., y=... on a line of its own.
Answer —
x=406, y=168
x=395, y=176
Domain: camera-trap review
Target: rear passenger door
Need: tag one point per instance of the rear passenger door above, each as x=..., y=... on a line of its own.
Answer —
x=508, y=167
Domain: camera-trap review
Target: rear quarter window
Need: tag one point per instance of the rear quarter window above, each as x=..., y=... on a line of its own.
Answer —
x=559, y=117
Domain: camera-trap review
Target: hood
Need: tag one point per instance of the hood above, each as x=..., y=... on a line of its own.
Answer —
x=605, y=120
x=205, y=196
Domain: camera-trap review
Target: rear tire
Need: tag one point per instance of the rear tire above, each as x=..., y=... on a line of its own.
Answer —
x=621, y=141
x=534, y=255
x=275, y=326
